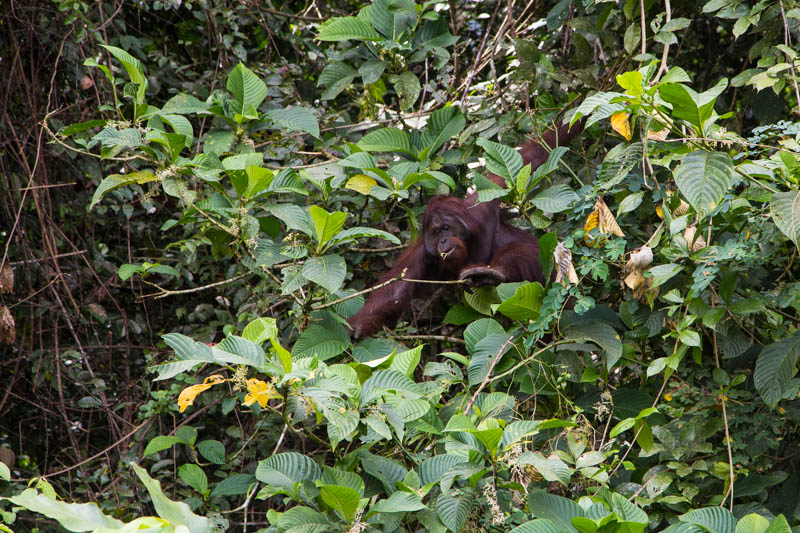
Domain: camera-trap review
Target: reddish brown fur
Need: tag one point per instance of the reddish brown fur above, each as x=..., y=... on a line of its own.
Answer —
x=485, y=243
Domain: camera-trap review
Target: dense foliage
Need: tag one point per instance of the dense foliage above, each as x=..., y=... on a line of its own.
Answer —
x=198, y=193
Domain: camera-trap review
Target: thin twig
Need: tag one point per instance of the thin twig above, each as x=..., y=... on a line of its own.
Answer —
x=359, y=293
x=444, y=338
x=662, y=68
x=787, y=41
x=166, y=292
x=479, y=54
x=486, y=380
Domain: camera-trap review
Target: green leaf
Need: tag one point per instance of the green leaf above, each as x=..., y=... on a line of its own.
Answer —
x=746, y=306
x=704, y=178
x=389, y=380
x=184, y=104
x=660, y=274
x=72, y=129
x=344, y=28
x=453, y=510
x=193, y=475
x=294, y=217
x=775, y=368
x=248, y=91
x=371, y=70
x=434, y=468
x=407, y=87
x=555, y=199
x=629, y=203
x=779, y=525
x=399, y=502
x=321, y=342
x=343, y=500
x=301, y=519
x=525, y=303
x=212, y=450
x=71, y=516
x=351, y=234
x=752, y=523
x=176, y=513
x=539, y=525
x=286, y=469
x=713, y=519
x=260, y=330
x=161, y=442
x=387, y=140
x=518, y=430
x=483, y=353
x=326, y=224
x=328, y=271
x=115, y=181
x=133, y=67
x=234, y=485
x=501, y=159
x=295, y=119
x=444, y=124
x=785, y=210
x=602, y=334
x=406, y=362
x=690, y=106
x=631, y=82
x=558, y=509
x=551, y=468
x=336, y=77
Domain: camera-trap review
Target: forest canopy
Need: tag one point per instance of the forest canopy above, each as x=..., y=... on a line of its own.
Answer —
x=199, y=196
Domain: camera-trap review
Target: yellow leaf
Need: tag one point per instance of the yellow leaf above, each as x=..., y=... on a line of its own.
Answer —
x=620, y=123
x=361, y=183
x=187, y=395
x=607, y=222
x=260, y=391
x=592, y=224
x=659, y=211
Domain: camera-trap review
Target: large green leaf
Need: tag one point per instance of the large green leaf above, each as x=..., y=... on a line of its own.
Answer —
x=71, y=516
x=753, y=523
x=386, y=140
x=389, y=380
x=434, y=468
x=335, y=77
x=555, y=199
x=785, y=210
x=775, y=368
x=558, y=509
x=328, y=271
x=479, y=330
x=453, y=510
x=286, y=469
x=712, y=519
x=321, y=342
x=408, y=88
x=302, y=519
x=351, y=234
x=602, y=334
x=704, y=178
x=344, y=28
x=539, y=525
x=443, y=124
x=525, y=303
x=295, y=119
x=398, y=502
x=551, y=468
x=295, y=217
x=688, y=105
x=175, y=513
x=248, y=91
x=483, y=353
x=134, y=69
x=115, y=181
x=501, y=159
x=343, y=500
x=326, y=224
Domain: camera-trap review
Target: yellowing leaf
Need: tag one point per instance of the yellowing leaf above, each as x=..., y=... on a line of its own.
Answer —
x=620, y=123
x=608, y=224
x=187, y=395
x=260, y=391
x=591, y=227
x=361, y=183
